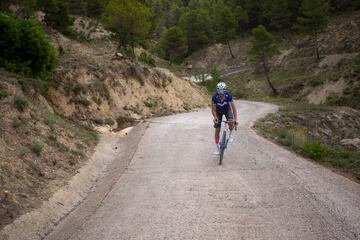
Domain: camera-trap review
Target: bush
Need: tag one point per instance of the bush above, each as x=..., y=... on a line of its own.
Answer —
x=52, y=137
x=50, y=119
x=149, y=103
x=147, y=59
x=25, y=86
x=338, y=163
x=17, y=123
x=37, y=147
x=98, y=121
x=85, y=102
x=315, y=151
x=128, y=52
x=109, y=121
x=20, y=104
x=57, y=15
x=24, y=47
x=281, y=133
x=3, y=94
x=316, y=82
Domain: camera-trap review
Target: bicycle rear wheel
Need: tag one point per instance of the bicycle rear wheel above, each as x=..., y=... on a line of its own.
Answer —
x=222, y=147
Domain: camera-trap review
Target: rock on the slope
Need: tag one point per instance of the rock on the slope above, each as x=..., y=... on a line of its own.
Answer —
x=351, y=143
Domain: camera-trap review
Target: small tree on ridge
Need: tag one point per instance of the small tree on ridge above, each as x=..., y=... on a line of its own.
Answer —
x=263, y=48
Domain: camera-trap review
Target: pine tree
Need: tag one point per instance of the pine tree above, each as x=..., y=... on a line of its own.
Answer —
x=241, y=17
x=57, y=14
x=279, y=14
x=313, y=19
x=174, y=43
x=129, y=19
x=263, y=48
x=225, y=27
x=94, y=8
x=197, y=28
x=77, y=7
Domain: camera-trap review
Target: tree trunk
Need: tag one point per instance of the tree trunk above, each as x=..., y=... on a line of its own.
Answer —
x=231, y=53
x=317, y=47
x=266, y=70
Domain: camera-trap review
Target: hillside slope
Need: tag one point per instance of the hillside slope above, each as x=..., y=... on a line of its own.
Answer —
x=46, y=137
x=91, y=82
x=297, y=75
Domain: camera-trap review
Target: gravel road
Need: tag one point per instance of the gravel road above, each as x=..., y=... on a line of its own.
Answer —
x=175, y=189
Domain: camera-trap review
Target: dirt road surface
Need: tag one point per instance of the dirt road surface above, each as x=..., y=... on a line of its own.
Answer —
x=175, y=189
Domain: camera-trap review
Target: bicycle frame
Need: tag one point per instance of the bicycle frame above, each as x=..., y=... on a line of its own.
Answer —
x=225, y=137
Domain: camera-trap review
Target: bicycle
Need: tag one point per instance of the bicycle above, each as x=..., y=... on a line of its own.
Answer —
x=225, y=137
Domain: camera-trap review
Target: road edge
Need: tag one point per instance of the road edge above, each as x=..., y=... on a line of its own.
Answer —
x=86, y=190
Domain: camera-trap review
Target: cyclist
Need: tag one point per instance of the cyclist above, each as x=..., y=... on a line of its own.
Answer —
x=222, y=104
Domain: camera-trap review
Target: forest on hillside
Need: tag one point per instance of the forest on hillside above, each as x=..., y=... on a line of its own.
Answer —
x=174, y=29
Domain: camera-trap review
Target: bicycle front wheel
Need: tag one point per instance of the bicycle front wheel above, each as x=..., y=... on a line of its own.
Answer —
x=222, y=147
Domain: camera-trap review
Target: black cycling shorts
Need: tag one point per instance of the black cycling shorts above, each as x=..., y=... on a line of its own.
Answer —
x=229, y=117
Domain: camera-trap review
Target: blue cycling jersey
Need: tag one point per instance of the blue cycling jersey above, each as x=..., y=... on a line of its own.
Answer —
x=222, y=106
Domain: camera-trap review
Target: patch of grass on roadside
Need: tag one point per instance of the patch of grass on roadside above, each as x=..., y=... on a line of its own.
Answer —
x=87, y=134
x=290, y=130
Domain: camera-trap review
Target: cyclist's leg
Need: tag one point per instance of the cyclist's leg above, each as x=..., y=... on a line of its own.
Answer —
x=230, y=117
x=217, y=127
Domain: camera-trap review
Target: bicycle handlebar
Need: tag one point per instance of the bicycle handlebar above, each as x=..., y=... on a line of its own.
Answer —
x=227, y=122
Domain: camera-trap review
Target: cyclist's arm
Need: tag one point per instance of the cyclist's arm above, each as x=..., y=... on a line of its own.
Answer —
x=213, y=110
x=234, y=111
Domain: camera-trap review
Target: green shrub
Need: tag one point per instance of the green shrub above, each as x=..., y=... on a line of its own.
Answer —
x=281, y=133
x=149, y=103
x=23, y=151
x=128, y=52
x=85, y=102
x=98, y=121
x=24, y=47
x=25, y=86
x=37, y=147
x=3, y=94
x=315, y=151
x=77, y=88
x=87, y=134
x=316, y=82
x=17, y=123
x=57, y=15
x=61, y=51
x=147, y=59
x=50, y=119
x=96, y=100
x=20, y=103
x=52, y=137
x=338, y=163
x=109, y=121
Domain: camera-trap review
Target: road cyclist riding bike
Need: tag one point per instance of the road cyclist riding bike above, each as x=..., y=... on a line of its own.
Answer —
x=223, y=105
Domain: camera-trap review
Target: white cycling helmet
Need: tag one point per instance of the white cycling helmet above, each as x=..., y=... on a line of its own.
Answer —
x=221, y=87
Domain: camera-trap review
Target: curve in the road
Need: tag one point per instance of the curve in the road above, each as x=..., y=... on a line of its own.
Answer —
x=175, y=189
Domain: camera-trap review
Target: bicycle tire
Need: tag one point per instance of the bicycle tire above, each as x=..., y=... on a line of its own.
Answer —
x=222, y=147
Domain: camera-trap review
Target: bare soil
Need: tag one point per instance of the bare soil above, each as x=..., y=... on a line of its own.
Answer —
x=39, y=150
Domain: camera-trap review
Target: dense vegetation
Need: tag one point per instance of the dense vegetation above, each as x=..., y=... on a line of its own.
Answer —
x=208, y=21
x=189, y=24
x=24, y=47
